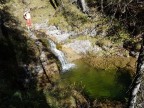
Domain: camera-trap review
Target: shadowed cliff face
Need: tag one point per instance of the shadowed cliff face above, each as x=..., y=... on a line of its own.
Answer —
x=15, y=91
x=24, y=84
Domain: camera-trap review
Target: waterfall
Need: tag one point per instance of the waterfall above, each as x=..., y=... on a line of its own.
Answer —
x=60, y=55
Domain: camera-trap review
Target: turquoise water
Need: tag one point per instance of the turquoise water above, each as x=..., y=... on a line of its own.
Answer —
x=99, y=83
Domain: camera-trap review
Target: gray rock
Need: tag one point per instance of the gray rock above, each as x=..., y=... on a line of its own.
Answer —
x=51, y=28
x=96, y=49
x=80, y=46
x=43, y=56
x=39, y=69
x=134, y=54
x=41, y=26
x=104, y=33
x=32, y=35
x=72, y=33
x=105, y=48
x=85, y=32
x=93, y=33
x=26, y=2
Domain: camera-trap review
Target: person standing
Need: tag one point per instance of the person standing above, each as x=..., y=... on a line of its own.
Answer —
x=27, y=17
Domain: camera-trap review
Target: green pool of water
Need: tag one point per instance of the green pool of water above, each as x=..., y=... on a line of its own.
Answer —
x=99, y=83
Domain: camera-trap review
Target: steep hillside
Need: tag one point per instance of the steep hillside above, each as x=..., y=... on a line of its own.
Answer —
x=29, y=70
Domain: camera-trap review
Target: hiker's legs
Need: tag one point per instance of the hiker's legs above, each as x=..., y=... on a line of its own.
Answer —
x=29, y=24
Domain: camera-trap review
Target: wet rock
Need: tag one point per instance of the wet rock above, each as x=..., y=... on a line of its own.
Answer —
x=71, y=55
x=53, y=31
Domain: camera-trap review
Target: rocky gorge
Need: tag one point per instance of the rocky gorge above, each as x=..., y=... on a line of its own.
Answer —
x=31, y=61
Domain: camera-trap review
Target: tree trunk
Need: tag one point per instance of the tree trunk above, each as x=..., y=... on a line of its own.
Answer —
x=137, y=94
x=83, y=5
x=102, y=5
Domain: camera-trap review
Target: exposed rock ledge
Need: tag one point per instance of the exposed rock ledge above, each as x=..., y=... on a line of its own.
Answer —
x=75, y=48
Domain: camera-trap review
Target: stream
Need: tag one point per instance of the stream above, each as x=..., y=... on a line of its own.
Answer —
x=61, y=57
x=112, y=83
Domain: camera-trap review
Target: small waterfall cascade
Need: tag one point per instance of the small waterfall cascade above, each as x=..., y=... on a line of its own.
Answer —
x=60, y=55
